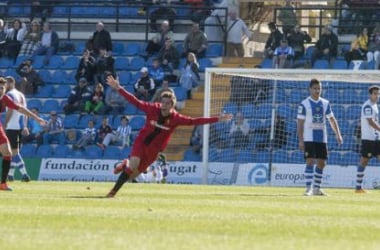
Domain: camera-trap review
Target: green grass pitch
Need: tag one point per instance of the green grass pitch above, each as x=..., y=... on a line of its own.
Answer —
x=66, y=215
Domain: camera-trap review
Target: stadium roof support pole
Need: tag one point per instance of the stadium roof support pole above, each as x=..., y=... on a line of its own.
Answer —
x=206, y=128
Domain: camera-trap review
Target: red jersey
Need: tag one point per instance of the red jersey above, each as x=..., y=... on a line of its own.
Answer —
x=157, y=130
x=5, y=101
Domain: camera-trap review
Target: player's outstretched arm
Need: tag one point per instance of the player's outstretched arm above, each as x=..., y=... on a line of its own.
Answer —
x=114, y=83
x=225, y=117
x=27, y=112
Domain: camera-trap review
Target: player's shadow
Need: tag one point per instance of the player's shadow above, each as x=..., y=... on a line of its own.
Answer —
x=261, y=195
x=88, y=197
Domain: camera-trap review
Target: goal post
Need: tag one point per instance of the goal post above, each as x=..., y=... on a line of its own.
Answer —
x=266, y=101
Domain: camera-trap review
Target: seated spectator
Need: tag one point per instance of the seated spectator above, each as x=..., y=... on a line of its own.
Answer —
x=359, y=47
x=296, y=39
x=239, y=132
x=104, y=66
x=283, y=55
x=169, y=56
x=123, y=133
x=86, y=67
x=190, y=78
x=144, y=87
x=273, y=40
x=115, y=103
x=30, y=78
x=236, y=30
x=374, y=47
x=163, y=11
x=35, y=130
x=78, y=97
x=31, y=41
x=158, y=41
x=164, y=87
x=15, y=37
x=96, y=104
x=100, y=39
x=196, y=140
x=54, y=130
x=326, y=46
x=104, y=131
x=156, y=73
x=49, y=43
x=195, y=42
x=88, y=136
x=3, y=36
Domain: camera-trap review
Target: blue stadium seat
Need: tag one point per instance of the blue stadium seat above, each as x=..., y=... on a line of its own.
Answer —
x=118, y=49
x=339, y=64
x=248, y=111
x=71, y=121
x=121, y=63
x=19, y=60
x=353, y=112
x=5, y=63
x=255, y=124
x=44, y=151
x=124, y=77
x=28, y=150
x=34, y=103
x=230, y=108
x=297, y=157
x=339, y=111
x=126, y=12
x=286, y=111
x=180, y=93
x=61, y=151
x=130, y=109
x=137, y=122
x=83, y=121
x=266, y=63
x=321, y=64
x=58, y=77
x=136, y=63
x=350, y=158
x=60, y=11
x=246, y=156
x=71, y=62
x=214, y=50
x=309, y=51
x=179, y=47
x=204, y=63
x=125, y=152
x=134, y=77
x=49, y=105
x=132, y=49
x=189, y=155
x=280, y=156
x=62, y=91
x=78, y=154
x=45, y=91
x=227, y=155
x=55, y=62
x=79, y=48
x=335, y=157
x=112, y=152
x=93, y=152
x=261, y=156
x=38, y=62
x=213, y=154
x=70, y=78
x=45, y=75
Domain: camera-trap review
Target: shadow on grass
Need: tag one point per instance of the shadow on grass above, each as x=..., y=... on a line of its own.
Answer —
x=89, y=197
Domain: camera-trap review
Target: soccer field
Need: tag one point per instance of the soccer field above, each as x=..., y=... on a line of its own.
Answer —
x=66, y=215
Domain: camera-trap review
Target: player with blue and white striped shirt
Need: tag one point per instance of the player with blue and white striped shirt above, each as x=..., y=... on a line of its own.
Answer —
x=312, y=135
x=370, y=134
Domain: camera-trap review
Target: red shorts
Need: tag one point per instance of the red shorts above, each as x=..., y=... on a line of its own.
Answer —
x=147, y=154
x=3, y=136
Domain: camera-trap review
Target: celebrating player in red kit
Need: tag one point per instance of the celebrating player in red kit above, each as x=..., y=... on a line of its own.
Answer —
x=161, y=121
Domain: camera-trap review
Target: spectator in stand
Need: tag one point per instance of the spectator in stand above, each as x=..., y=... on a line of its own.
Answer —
x=239, y=132
x=190, y=74
x=31, y=41
x=15, y=37
x=195, y=42
x=359, y=47
x=164, y=87
x=169, y=56
x=236, y=29
x=115, y=103
x=35, y=130
x=296, y=40
x=123, y=133
x=96, y=104
x=101, y=38
x=3, y=36
x=104, y=66
x=54, y=130
x=196, y=140
x=283, y=55
x=86, y=67
x=144, y=87
x=158, y=41
x=156, y=72
x=78, y=97
x=104, y=131
x=326, y=47
x=374, y=47
x=288, y=18
x=88, y=136
x=30, y=78
x=163, y=11
x=49, y=43
x=201, y=9
x=214, y=24
x=273, y=40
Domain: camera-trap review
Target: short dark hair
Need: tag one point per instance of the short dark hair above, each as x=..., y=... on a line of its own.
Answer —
x=314, y=82
x=373, y=88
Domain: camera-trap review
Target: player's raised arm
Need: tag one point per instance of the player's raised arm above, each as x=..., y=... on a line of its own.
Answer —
x=223, y=117
x=112, y=82
x=29, y=113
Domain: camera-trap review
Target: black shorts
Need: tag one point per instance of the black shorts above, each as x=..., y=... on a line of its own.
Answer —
x=14, y=137
x=315, y=150
x=370, y=149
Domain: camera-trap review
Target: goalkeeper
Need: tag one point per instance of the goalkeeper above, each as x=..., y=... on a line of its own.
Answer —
x=161, y=121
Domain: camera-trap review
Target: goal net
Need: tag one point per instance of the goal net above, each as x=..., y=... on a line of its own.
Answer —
x=264, y=102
